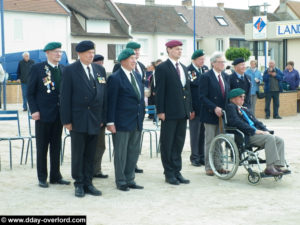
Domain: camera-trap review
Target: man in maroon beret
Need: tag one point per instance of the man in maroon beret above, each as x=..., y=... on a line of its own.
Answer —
x=174, y=106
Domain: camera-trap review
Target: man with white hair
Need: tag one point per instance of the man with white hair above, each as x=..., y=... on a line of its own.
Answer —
x=23, y=70
x=214, y=86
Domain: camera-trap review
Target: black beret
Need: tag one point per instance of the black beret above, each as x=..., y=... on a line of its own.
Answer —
x=238, y=61
x=98, y=58
x=85, y=46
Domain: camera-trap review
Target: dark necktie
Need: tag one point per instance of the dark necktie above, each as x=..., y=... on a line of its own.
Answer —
x=177, y=69
x=200, y=70
x=134, y=85
x=221, y=85
x=242, y=77
x=92, y=81
x=56, y=77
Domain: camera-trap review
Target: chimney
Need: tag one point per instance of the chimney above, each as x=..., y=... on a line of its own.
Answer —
x=255, y=10
x=187, y=3
x=221, y=5
x=149, y=2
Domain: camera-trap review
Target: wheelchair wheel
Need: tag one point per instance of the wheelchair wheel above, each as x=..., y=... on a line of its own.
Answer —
x=223, y=156
x=254, y=178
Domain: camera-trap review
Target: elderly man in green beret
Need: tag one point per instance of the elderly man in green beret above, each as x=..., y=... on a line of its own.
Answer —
x=125, y=115
x=43, y=95
x=256, y=133
x=197, y=130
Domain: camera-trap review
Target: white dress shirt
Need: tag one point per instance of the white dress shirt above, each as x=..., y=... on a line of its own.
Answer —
x=86, y=70
x=217, y=76
x=182, y=74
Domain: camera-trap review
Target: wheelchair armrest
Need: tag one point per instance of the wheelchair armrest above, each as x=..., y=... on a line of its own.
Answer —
x=231, y=128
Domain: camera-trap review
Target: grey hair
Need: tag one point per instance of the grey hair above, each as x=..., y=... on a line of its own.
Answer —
x=25, y=53
x=216, y=56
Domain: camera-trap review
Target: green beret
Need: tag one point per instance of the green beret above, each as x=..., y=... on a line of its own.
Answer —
x=236, y=92
x=126, y=53
x=197, y=54
x=133, y=45
x=52, y=45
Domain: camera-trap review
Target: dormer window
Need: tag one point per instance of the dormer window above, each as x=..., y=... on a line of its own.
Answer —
x=97, y=26
x=221, y=20
x=183, y=18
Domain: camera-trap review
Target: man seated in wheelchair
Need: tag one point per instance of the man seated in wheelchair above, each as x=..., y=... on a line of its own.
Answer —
x=256, y=133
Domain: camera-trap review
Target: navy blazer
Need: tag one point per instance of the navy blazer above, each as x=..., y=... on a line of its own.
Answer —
x=211, y=96
x=82, y=106
x=125, y=109
x=39, y=100
x=235, y=82
x=236, y=119
x=195, y=82
x=171, y=98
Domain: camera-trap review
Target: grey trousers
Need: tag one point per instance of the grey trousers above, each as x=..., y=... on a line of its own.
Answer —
x=126, y=153
x=211, y=130
x=273, y=145
x=253, y=103
x=197, y=134
x=100, y=148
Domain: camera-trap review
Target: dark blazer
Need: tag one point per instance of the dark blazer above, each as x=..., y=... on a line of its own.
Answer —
x=125, y=109
x=38, y=98
x=143, y=75
x=171, y=98
x=236, y=119
x=82, y=106
x=235, y=82
x=195, y=82
x=211, y=96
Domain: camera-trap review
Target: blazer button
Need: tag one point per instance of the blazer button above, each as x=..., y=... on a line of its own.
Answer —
x=183, y=89
x=184, y=97
x=89, y=107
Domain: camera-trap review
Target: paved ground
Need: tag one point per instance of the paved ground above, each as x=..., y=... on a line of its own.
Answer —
x=206, y=200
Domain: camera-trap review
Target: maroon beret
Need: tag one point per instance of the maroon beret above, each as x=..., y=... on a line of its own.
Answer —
x=173, y=43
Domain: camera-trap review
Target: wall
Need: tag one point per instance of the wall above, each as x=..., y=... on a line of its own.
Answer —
x=293, y=52
x=30, y=31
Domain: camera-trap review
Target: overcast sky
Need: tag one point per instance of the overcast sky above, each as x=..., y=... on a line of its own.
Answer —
x=237, y=4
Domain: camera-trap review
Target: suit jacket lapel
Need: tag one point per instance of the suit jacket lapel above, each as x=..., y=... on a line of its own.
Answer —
x=128, y=83
x=82, y=75
x=174, y=71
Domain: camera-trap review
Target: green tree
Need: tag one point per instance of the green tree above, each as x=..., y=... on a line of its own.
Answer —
x=233, y=53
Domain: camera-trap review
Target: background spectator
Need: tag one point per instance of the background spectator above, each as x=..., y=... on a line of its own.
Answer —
x=291, y=76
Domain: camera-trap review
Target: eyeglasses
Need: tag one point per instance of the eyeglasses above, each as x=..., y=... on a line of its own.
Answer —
x=57, y=52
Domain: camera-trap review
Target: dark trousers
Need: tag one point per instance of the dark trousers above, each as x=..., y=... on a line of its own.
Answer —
x=83, y=147
x=197, y=134
x=126, y=154
x=100, y=148
x=48, y=134
x=24, y=95
x=268, y=97
x=172, y=137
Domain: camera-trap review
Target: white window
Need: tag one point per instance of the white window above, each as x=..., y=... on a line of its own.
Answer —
x=97, y=26
x=119, y=49
x=220, y=45
x=221, y=20
x=144, y=46
x=183, y=17
x=18, y=30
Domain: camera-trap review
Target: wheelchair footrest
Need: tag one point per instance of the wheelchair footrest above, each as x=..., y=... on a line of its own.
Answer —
x=253, y=161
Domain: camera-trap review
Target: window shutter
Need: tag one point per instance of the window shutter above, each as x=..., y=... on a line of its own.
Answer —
x=111, y=51
x=74, y=53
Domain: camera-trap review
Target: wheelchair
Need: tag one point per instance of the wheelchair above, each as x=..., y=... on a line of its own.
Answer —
x=228, y=151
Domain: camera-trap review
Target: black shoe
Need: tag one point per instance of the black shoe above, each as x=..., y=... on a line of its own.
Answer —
x=123, y=187
x=61, y=181
x=43, y=184
x=101, y=175
x=172, y=181
x=135, y=186
x=137, y=170
x=197, y=164
x=277, y=117
x=182, y=180
x=267, y=117
x=79, y=192
x=90, y=189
